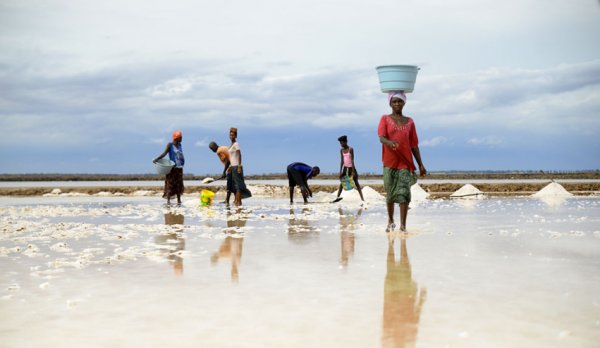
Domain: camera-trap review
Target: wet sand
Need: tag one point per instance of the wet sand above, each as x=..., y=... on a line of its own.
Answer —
x=126, y=271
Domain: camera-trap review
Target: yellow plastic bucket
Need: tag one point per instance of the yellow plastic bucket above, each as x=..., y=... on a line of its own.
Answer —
x=206, y=198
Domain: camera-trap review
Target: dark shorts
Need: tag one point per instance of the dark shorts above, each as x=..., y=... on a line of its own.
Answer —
x=295, y=178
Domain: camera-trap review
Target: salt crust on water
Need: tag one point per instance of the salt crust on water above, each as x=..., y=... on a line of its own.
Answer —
x=370, y=195
x=553, y=189
x=350, y=196
x=468, y=191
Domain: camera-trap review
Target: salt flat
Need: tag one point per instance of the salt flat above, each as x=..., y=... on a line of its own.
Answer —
x=126, y=271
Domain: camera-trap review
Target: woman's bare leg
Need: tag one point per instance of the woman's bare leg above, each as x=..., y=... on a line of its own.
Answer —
x=403, y=214
x=390, y=210
x=360, y=192
x=358, y=187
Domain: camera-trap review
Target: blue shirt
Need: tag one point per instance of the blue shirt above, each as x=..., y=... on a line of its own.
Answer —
x=176, y=155
x=302, y=168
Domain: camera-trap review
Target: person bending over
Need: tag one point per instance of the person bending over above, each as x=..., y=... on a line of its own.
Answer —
x=298, y=174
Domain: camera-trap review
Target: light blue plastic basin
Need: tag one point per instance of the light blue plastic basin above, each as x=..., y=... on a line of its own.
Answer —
x=163, y=166
x=397, y=77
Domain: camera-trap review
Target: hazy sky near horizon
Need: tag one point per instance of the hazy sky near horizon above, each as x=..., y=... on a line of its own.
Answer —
x=98, y=86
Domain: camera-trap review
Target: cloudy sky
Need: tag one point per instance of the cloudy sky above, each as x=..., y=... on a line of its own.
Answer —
x=98, y=86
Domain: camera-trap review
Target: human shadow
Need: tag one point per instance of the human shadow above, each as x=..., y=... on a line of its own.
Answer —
x=402, y=301
x=347, y=236
x=173, y=242
x=232, y=246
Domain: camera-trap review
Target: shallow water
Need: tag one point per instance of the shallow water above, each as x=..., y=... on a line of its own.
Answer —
x=126, y=271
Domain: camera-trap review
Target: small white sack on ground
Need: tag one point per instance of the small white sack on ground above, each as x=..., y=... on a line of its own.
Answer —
x=553, y=189
x=142, y=193
x=272, y=191
x=53, y=193
x=468, y=191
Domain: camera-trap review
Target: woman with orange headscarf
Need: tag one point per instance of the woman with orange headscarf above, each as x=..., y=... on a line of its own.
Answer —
x=174, y=180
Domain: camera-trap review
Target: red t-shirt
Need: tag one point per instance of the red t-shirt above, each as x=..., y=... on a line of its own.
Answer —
x=406, y=138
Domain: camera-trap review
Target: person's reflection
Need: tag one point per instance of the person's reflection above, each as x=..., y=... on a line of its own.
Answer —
x=347, y=227
x=299, y=230
x=174, y=242
x=232, y=245
x=402, y=301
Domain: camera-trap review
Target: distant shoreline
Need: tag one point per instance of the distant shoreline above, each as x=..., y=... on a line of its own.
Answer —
x=549, y=175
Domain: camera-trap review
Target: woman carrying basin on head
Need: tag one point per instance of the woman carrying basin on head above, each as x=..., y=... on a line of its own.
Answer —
x=398, y=136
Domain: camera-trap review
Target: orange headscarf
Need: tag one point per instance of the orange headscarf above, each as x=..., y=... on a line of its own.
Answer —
x=177, y=135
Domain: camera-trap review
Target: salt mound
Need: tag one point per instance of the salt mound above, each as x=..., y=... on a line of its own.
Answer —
x=553, y=189
x=321, y=197
x=417, y=193
x=207, y=180
x=468, y=191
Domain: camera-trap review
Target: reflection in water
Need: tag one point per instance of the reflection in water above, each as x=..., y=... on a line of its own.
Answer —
x=402, y=301
x=347, y=227
x=173, y=242
x=467, y=202
x=553, y=201
x=299, y=230
x=232, y=245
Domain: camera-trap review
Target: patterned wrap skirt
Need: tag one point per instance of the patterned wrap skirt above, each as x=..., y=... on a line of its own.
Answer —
x=237, y=182
x=174, y=183
x=397, y=184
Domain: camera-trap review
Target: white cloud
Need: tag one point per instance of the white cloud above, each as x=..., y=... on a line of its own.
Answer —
x=543, y=100
x=171, y=88
x=490, y=140
x=96, y=106
x=157, y=141
x=78, y=74
x=433, y=142
x=202, y=143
